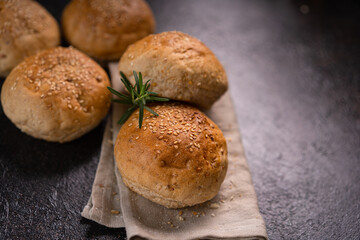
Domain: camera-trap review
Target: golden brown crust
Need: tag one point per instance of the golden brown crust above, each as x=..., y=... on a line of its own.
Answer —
x=57, y=95
x=177, y=159
x=181, y=67
x=25, y=29
x=104, y=28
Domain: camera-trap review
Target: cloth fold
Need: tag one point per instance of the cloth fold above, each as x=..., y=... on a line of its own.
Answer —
x=232, y=214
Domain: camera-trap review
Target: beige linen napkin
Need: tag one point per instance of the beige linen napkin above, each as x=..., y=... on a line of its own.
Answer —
x=232, y=214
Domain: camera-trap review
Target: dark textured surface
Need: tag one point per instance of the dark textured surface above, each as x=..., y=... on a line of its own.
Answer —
x=295, y=83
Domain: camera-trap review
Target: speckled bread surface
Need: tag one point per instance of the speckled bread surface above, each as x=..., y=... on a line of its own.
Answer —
x=104, y=28
x=177, y=159
x=57, y=95
x=25, y=29
x=180, y=67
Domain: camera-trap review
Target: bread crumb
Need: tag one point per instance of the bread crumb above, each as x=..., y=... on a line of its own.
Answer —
x=214, y=205
x=180, y=218
x=180, y=213
x=232, y=198
x=213, y=214
x=196, y=214
x=115, y=212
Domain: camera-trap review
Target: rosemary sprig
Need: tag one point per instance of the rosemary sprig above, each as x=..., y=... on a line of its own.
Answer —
x=139, y=96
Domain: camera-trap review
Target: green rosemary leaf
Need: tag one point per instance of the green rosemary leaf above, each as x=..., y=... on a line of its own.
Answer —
x=160, y=99
x=147, y=85
x=139, y=95
x=113, y=91
x=137, y=84
x=141, y=113
x=153, y=93
x=126, y=115
x=150, y=110
x=140, y=82
x=125, y=78
x=127, y=85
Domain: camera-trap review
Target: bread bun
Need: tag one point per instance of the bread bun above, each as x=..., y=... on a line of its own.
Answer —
x=180, y=67
x=25, y=29
x=177, y=159
x=57, y=95
x=104, y=28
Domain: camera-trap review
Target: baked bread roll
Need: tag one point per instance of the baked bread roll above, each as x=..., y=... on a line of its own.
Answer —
x=177, y=159
x=104, y=28
x=25, y=29
x=180, y=67
x=57, y=95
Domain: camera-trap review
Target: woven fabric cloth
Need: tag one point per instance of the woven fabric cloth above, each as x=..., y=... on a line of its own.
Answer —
x=232, y=214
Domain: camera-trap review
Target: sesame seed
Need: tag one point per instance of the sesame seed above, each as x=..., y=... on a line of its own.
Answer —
x=214, y=205
x=115, y=212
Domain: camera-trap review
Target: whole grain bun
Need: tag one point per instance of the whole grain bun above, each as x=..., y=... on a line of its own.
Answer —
x=25, y=29
x=57, y=95
x=104, y=28
x=180, y=67
x=177, y=159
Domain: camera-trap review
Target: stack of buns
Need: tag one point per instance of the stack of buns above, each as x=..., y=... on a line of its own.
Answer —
x=60, y=94
x=178, y=158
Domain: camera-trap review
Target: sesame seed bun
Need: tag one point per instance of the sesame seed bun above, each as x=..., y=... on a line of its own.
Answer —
x=180, y=67
x=25, y=29
x=177, y=159
x=57, y=95
x=104, y=28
